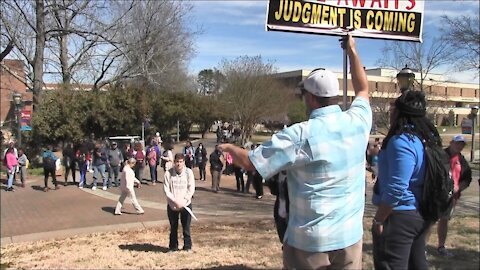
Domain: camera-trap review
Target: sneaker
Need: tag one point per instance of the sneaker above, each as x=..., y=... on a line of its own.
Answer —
x=45, y=189
x=444, y=252
x=104, y=188
x=259, y=197
x=118, y=214
x=189, y=250
x=94, y=188
x=10, y=189
x=172, y=250
x=90, y=171
x=80, y=186
x=57, y=187
x=65, y=184
x=140, y=213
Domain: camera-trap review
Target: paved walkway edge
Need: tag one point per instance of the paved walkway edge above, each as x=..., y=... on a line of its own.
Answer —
x=62, y=234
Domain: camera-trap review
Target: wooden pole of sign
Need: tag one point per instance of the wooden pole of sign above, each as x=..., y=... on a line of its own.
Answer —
x=345, y=66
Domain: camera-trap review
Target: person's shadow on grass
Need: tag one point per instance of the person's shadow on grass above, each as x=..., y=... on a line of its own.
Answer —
x=144, y=247
x=228, y=267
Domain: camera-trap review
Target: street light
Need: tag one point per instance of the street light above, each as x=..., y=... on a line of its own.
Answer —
x=405, y=79
x=17, y=100
x=473, y=116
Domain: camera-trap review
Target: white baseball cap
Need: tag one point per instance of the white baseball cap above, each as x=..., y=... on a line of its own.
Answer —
x=321, y=83
x=459, y=138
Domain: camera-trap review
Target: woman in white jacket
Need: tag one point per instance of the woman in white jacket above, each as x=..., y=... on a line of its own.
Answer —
x=127, y=181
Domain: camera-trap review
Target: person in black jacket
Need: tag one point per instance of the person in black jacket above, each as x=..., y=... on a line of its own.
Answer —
x=216, y=166
x=69, y=162
x=201, y=159
x=462, y=177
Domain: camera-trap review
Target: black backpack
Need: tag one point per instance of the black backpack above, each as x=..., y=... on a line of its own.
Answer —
x=438, y=184
x=49, y=163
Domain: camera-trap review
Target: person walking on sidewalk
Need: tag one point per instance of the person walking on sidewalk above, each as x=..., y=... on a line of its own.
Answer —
x=49, y=167
x=11, y=163
x=325, y=162
x=127, y=183
x=179, y=186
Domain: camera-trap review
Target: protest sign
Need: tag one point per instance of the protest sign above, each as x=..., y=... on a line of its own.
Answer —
x=382, y=19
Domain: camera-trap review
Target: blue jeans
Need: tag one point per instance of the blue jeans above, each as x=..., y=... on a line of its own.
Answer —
x=153, y=173
x=11, y=176
x=99, y=169
x=113, y=174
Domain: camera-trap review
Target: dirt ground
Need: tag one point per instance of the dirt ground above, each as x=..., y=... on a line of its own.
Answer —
x=226, y=245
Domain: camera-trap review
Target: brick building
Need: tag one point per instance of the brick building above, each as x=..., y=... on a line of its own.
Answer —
x=12, y=80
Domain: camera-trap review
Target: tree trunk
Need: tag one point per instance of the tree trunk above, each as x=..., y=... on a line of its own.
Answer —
x=66, y=76
x=39, y=51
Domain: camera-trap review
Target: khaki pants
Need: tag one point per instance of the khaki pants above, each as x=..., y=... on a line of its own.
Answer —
x=215, y=179
x=347, y=258
x=133, y=198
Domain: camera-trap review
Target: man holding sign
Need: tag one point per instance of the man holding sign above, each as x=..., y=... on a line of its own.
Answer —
x=325, y=162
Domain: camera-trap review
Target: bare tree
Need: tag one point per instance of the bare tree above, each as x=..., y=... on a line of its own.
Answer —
x=463, y=33
x=421, y=57
x=73, y=27
x=23, y=29
x=155, y=42
x=251, y=94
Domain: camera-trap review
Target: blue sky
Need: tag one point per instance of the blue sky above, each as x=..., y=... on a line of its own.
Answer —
x=237, y=28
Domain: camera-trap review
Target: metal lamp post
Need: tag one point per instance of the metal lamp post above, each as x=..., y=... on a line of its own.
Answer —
x=405, y=79
x=17, y=100
x=473, y=115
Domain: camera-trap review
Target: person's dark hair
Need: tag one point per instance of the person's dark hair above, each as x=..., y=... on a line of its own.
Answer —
x=179, y=156
x=327, y=101
x=411, y=110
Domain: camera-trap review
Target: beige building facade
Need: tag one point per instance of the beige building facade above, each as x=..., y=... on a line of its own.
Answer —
x=444, y=98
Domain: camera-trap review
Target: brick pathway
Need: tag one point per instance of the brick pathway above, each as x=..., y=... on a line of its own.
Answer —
x=30, y=214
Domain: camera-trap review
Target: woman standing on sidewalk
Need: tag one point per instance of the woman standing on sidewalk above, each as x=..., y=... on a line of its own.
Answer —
x=22, y=164
x=201, y=159
x=11, y=164
x=127, y=181
x=152, y=163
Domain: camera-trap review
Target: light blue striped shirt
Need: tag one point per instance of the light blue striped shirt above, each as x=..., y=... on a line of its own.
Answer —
x=325, y=161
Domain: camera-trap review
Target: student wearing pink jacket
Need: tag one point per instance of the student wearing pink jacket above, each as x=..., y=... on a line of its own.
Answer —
x=11, y=164
x=127, y=182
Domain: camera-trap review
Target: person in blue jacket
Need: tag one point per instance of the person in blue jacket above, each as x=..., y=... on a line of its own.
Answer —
x=49, y=167
x=398, y=229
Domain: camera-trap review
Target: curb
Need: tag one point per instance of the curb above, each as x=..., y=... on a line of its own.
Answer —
x=62, y=234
